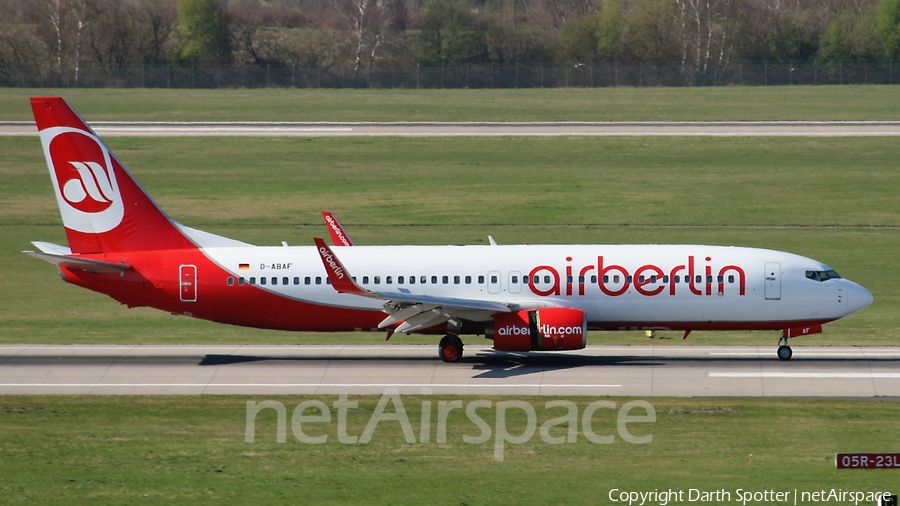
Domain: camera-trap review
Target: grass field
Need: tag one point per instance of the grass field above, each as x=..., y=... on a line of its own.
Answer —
x=827, y=103
x=833, y=199
x=179, y=450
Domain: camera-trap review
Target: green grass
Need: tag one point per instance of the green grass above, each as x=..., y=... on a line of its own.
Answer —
x=179, y=450
x=826, y=103
x=833, y=199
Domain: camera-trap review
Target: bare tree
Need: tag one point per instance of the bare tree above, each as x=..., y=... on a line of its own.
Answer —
x=384, y=15
x=355, y=14
x=54, y=12
x=80, y=13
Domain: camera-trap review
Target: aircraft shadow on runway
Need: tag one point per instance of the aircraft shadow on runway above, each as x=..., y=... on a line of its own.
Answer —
x=507, y=365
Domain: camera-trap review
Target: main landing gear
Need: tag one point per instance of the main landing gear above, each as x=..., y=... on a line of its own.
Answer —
x=784, y=351
x=451, y=348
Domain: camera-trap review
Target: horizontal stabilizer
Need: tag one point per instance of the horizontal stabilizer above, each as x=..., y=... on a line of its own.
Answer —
x=84, y=264
x=52, y=249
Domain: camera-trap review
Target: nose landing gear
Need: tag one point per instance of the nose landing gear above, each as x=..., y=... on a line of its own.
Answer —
x=784, y=351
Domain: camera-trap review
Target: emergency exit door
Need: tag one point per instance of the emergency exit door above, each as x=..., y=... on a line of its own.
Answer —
x=773, y=280
x=188, y=277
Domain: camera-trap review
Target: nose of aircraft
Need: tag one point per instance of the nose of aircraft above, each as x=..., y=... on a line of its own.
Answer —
x=857, y=297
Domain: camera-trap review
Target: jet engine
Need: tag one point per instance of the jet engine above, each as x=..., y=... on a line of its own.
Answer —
x=547, y=329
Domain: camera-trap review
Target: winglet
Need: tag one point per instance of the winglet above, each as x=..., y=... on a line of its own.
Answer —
x=339, y=236
x=340, y=278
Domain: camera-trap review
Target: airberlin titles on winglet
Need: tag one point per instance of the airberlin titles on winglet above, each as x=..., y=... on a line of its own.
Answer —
x=336, y=272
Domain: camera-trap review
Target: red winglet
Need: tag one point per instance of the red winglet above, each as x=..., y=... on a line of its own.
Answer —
x=340, y=278
x=339, y=236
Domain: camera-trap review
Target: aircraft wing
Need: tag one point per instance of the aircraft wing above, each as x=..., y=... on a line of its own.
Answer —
x=415, y=311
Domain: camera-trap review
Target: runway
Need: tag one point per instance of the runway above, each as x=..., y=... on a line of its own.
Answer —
x=643, y=371
x=437, y=129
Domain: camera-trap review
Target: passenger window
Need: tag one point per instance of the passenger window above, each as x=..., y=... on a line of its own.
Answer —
x=412, y=280
x=731, y=278
x=640, y=279
x=318, y=280
x=307, y=280
x=445, y=279
x=653, y=279
x=569, y=279
x=699, y=278
x=230, y=281
x=253, y=280
x=514, y=280
x=594, y=279
x=468, y=280
x=709, y=279
x=284, y=281
x=524, y=280
x=616, y=278
x=365, y=280
x=665, y=279
x=547, y=279
x=433, y=280
x=274, y=280
x=377, y=280
x=296, y=281
x=262, y=280
x=481, y=280
x=721, y=279
x=241, y=281
x=423, y=280
x=455, y=280
x=399, y=280
x=677, y=279
x=388, y=280
x=581, y=279
x=628, y=279
x=327, y=281
x=493, y=279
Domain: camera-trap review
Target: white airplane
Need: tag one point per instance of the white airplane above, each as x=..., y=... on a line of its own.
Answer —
x=523, y=297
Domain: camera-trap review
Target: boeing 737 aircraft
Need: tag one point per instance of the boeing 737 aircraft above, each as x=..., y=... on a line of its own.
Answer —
x=523, y=297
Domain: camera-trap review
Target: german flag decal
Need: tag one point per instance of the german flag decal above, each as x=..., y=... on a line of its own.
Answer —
x=244, y=267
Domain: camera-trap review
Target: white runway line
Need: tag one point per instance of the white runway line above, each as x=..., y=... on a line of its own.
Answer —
x=806, y=354
x=807, y=375
x=329, y=385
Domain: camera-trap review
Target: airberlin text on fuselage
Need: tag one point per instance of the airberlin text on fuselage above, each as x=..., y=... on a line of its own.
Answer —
x=648, y=280
x=546, y=330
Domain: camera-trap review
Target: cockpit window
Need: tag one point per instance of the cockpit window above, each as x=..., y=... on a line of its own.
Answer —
x=822, y=275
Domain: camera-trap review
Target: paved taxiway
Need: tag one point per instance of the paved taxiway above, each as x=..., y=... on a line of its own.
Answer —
x=598, y=370
x=434, y=129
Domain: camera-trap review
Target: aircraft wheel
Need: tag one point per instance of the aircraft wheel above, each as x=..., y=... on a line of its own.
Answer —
x=785, y=352
x=451, y=348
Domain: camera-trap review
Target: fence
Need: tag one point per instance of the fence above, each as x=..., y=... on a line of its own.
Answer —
x=455, y=76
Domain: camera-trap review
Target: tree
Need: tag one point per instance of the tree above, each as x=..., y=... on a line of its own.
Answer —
x=450, y=34
x=887, y=26
x=649, y=32
x=579, y=39
x=609, y=31
x=204, y=32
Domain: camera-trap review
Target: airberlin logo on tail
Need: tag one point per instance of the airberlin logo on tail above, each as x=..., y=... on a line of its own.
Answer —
x=89, y=191
x=82, y=171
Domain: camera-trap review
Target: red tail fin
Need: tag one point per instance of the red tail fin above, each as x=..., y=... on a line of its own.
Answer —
x=103, y=208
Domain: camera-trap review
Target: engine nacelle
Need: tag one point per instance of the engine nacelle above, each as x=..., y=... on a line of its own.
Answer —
x=548, y=329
